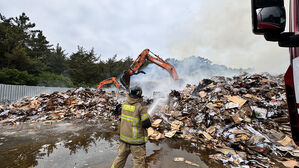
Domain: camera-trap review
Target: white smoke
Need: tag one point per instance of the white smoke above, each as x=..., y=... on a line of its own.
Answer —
x=190, y=70
x=222, y=33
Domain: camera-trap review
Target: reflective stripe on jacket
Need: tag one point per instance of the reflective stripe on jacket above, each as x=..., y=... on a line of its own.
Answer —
x=132, y=115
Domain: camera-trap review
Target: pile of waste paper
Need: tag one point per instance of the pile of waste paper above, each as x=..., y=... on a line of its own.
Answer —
x=78, y=104
x=244, y=119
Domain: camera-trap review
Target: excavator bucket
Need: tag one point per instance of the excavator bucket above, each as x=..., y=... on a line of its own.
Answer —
x=125, y=80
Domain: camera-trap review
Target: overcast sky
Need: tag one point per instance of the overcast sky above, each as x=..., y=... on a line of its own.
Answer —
x=219, y=31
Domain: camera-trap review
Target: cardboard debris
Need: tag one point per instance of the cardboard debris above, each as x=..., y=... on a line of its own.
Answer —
x=236, y=119
x=187, y=90
x=253, y=97
x=264, y=80
x=239, y=131
x=231, y=105
x=189, y=137
x=247, y=120
x=248, y=95
x=175, y=125
x=247, y=113
x=285, y=141
x=242, y=138
x=281, y=120
x=202, y=94
x=211, y=129
x=156, y=123
x=150, y=131
x=211, y=85
x=62, y=95
x=70, y=105
x=170, y=134
x=294, y=153
x=237, y=99
x=206, y=135
x=290, y=163
x=211, y=105
x=54, y=116
x=34, y=104
x=154, y=134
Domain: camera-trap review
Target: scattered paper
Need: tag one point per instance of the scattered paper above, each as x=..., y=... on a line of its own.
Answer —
x=231, y=105
x=191, y=163
x=259, y=112
x=237, y=99
x=253, y=131
x=179, y=159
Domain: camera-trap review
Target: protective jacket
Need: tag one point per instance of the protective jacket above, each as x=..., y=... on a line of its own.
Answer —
x=133, y=118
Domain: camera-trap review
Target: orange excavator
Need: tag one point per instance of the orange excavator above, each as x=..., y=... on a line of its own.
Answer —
x=139, y=62
x=108, y=81
x=135, y=69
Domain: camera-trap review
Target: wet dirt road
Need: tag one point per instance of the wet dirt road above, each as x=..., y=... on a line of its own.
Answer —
x=82, y=145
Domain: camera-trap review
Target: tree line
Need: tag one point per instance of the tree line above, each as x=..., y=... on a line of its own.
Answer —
x=27, y=58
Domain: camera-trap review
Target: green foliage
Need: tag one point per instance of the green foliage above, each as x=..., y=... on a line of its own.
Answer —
x=27, y=58
x=16, y=77
x=57, y=61
x=82, y=67
x=50, y=79
x=18, y=58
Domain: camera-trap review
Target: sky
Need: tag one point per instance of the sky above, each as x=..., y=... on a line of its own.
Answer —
x=218, y=31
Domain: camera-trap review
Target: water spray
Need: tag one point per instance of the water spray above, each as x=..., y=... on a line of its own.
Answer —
x=155, y=104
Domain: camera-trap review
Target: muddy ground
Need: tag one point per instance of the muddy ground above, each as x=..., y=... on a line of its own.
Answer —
x=86, y=144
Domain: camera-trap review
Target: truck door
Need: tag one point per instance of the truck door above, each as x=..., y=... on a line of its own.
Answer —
x=292, y=75
x=268, y=19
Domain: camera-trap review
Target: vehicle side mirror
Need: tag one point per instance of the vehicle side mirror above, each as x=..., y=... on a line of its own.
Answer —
x=268, y=16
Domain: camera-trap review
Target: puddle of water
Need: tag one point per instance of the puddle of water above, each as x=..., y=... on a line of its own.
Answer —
x=84, y=145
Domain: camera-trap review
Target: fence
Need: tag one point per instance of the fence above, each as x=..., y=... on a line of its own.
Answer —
x=11, y=93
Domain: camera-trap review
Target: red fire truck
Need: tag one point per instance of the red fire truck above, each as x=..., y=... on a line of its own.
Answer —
x=269, y=19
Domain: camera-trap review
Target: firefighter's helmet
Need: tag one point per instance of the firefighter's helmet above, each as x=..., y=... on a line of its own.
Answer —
x=135, y=92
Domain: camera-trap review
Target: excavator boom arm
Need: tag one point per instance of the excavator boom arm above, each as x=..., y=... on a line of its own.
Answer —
x=137, y=64
x=115, y=82
x=163, y=64
x=108, y=81
x=139, y=61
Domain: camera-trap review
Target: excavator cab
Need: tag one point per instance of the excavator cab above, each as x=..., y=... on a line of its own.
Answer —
x=269, y=19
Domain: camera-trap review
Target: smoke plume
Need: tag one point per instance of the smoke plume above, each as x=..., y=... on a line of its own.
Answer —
x=190, y=70
x=222, y=33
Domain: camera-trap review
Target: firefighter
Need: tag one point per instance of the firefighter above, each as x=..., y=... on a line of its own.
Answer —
x=133, y=134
